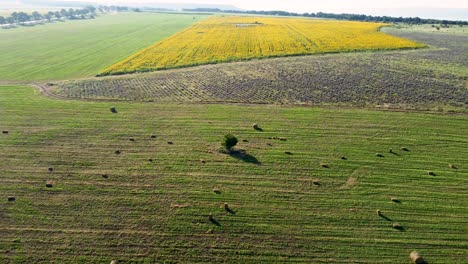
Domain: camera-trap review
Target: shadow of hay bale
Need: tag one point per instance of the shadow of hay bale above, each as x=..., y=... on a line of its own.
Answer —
x=244, y=156
x=228, y=209
x=257, y=127
x=214, y=221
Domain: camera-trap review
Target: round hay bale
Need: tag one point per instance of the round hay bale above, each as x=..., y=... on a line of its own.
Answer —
x=113, y=110
x=405, y=149
x=105, y=176
x=170, y=143
x=51, y=169
x=380, y=155
x=153, y=136
x=118, y=152
x=217, y=191
x=255, y=126
x=11, y=198
x=344, y=158
x=416, y=258
x=397, y=226
x=49, y=184
x=431, y=173
x=115, y=262
x=453, y=167
x=5, y=132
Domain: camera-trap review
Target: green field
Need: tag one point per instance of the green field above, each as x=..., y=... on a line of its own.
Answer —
x=75, y=49
x=288, y=207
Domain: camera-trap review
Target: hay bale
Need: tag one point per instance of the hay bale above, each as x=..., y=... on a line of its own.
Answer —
x=113, y=110
x=269, y=144
x=203, y=161
x=390, y=150
x=431, y=173
x=453, y=167
x=49, y=184
x=115, y=262
x=405, y=149
x=379, y=213
x=395, y=200
x=105, y=176
x=11, y=198
x=256, y=126
x=153, y=136
x=51, y=169
x=397, y=226
x=217, y=191
x=344, y=158
x=316, y=182
x=283, y=139
x=416, y=258
x=150, y=160
x=170, y=143
x=288, y=153
x=118, y=152
x=325, y=166
x=5, y=132
x=132, y=139
x=245, y=141
x=380, y=155
x=226, y=207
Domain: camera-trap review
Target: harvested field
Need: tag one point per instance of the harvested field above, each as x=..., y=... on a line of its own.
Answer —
x=104, y=207
x=422, y=79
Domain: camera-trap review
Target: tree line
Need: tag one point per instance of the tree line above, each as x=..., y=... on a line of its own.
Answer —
x=88, y=12
x=352, y=17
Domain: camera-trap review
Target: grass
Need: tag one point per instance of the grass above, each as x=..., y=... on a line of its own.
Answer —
x=154, y=212
x=75, y=49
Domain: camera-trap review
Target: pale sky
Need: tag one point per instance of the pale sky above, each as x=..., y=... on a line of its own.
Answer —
x=316, y=5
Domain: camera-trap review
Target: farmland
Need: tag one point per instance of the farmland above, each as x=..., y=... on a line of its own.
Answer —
x=154, y=202
x=75, y=49
x=234, y=38
x=429, y=79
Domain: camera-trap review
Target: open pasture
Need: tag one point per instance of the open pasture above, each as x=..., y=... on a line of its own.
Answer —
x=306, y=191
x=235, y=38
x=81, y=48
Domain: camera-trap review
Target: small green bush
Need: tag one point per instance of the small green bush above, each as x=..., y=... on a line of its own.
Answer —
x=229, y=141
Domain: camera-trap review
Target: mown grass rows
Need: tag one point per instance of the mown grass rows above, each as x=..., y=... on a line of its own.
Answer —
x=424, y=79
x=156, y=211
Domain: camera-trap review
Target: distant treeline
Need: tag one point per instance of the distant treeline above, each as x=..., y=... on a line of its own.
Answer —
x=352, y=17
x=88, y=12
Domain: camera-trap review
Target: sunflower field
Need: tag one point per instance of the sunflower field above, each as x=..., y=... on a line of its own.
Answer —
x=236, y=38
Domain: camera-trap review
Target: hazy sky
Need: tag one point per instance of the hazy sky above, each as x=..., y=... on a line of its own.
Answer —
x=317, y=5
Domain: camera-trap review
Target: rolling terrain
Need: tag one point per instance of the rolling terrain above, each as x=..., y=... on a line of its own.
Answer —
x=236, y=38
x=307, y=189
x=131, y=168
x=435, y=78
x=76, y=49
